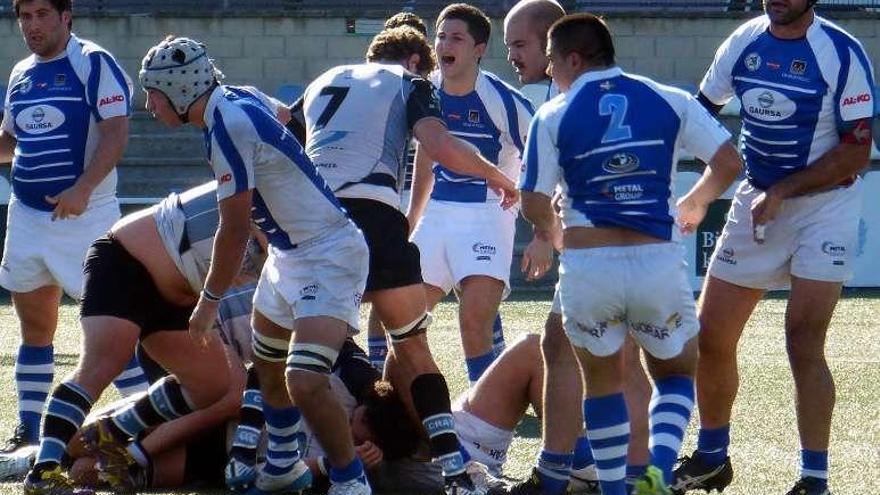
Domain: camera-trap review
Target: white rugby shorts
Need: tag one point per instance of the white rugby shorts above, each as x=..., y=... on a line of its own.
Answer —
x=324, y=277
x=39, y=252
x=485, y=443
x=609, y=291
x=460, y=240
x=813, y=237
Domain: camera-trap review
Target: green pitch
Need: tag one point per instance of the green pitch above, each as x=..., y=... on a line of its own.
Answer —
x=765, y=446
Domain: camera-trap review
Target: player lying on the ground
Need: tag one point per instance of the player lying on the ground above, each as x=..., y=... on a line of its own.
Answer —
x=141, y=282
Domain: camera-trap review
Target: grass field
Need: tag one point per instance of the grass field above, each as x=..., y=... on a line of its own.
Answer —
x=765, y=446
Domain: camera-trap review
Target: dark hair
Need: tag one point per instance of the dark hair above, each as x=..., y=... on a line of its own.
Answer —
x=407, y=19
x=478, y=24
x=394, y=429
x=584, y=34
x=399, y=43
x=59, y=5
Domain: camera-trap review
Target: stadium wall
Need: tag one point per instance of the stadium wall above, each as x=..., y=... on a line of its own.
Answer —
x=269, y=51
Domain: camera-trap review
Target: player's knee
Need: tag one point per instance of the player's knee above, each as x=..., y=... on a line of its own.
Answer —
x=804, y=353
x=416, y=327
x=308, y=368
x=555, y=346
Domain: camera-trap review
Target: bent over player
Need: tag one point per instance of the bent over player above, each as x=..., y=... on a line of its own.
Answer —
x=806, y=88
x=621, y=269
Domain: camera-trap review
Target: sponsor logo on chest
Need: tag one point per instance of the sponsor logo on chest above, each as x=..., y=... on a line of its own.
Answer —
x=39, y=119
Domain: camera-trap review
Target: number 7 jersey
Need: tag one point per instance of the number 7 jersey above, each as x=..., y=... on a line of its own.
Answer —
x=612, y=142
x=358, y=120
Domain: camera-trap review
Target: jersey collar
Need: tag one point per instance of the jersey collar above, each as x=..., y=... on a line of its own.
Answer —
x=595, y=75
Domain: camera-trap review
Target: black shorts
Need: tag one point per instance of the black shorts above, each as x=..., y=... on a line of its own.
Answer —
x=117, y=284
x=394, y=261
x=206, y=459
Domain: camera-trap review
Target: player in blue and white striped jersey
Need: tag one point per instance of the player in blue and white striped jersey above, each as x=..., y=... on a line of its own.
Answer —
x=65, y=126
x=621, y=268
x=465, y=238
x=807, y=93
x=314, y=277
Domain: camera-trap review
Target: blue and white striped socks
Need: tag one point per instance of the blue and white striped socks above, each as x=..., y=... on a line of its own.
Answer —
x=34, y=371
x=814, y=464
x=65, y=414
x=133, y=380
x=670, y=411
x=608, y=430
x=498, y=344
x=283, y=426
x=478, y=365
x=554, y=471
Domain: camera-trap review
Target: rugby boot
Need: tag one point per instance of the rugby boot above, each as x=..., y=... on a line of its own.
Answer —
x=15, y=465
x=462, y=484
x=357, y=486
x=295, y=480
x=809, y=486
x=584, y=481
x=52, y=482
x=693, y=474
x=651, y=483
x=240, y=475
x=116, y=466
x=16, y=441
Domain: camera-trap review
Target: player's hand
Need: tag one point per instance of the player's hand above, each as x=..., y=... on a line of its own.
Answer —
x=371, y=455
x=765, y=207
x=506, y=188
x=70, y=202
x=201, y=322
x=690, y=214
x=537, y=258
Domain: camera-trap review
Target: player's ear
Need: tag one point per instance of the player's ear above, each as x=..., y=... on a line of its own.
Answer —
x=412, y=63
x=480, y=49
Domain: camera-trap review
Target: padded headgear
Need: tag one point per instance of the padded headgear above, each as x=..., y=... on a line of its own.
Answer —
x=180, y=69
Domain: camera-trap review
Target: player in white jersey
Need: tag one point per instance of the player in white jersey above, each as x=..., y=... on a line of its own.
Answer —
x=806, y=88
x=314, y=277
x=358, y=121
x=465, y=239
x=65, y=127
x=138, y=287
x=615, y=168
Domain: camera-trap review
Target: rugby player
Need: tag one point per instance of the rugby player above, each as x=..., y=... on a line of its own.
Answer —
x=465, y=239
x=806, y=88
x=621, y=270
x=340, y=113
x=525, y=35
x=313, y=280
x=65, y=127
x=140, y=284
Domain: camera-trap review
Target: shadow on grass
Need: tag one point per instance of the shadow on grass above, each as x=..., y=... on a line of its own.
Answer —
x=529, y=427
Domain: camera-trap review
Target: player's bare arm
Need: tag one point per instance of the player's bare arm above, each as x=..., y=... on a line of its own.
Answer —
x=422, y=185
x=7, y=146
x=229, y=245
x=111, y=145
x=538, y=209
x=462, y=159
x=719, y=174
x=845, y=160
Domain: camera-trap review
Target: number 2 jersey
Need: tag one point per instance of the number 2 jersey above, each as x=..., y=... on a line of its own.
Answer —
x=612, y=142
x=358, y=121
x=795, y=94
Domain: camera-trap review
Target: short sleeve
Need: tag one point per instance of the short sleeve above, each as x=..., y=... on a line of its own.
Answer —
x=717, y=83
x=856, y=99
x=109, y=87
x=541, y=164
x=8, y=125
x=233, y=150
x=702, y=135
x=421, y=102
